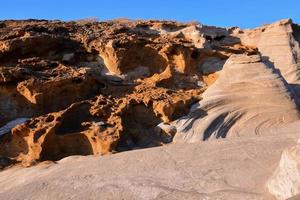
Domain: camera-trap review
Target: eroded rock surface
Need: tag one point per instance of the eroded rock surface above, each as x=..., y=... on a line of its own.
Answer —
x=98, y=88
x=102, y=87
x=253, y=101
x=279, y=45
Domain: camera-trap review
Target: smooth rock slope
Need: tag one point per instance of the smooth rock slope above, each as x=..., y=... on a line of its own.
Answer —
x=249, y=97
x=279, y=44
x=236, y=168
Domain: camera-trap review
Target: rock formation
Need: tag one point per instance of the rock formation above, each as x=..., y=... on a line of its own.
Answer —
x=285, y=182
x=99, y=88
x=253, y=101
x=104, y=86
x=278, y=43
x=235, y=168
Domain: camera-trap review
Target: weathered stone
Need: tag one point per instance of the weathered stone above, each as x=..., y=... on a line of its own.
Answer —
x=98, y=88
x=211, y=65
x=279, y=45
x=285, y=182
x=249, y=97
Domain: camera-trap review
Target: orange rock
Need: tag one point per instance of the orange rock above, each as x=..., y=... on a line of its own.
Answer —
x=101, y=87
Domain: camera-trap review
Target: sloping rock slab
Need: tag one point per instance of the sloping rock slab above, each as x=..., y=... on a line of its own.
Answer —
x=220, y=169
x=249, y=98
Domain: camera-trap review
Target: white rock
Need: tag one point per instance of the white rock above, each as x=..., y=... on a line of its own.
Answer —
x=279, y=44
x=285, y=182
x=167, y=128
x=213, y=170
x=248, y=98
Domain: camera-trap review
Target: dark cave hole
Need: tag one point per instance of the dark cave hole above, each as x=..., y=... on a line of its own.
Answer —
x=139, y=122
x=58, y=147
x=71, y=122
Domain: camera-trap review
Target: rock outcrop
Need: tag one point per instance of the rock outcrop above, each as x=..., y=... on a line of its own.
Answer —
x=235, y=168
x=285, y=182
x=253, y=101
x=102, y=87
x=99, y=88
x=279, y=45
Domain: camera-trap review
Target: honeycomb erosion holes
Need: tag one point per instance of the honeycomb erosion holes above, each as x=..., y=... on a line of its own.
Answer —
x=102, y=87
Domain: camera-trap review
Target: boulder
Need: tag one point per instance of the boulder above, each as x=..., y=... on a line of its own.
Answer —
x=285, y=182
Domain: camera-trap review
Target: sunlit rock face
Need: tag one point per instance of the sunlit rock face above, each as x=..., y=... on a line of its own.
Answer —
x=279, y=45
x=81, y=88
x=249, y=98
x=285, y=182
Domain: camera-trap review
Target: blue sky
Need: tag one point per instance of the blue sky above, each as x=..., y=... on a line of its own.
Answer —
x=243, y=13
